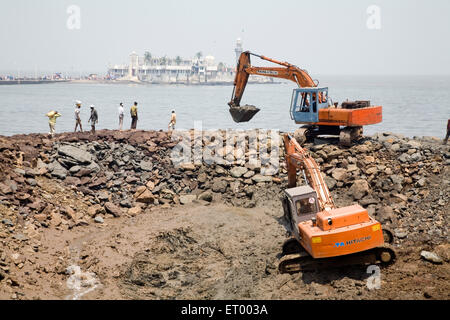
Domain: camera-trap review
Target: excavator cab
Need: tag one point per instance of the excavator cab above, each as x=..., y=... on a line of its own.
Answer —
x=300, y=205
x=306, y=103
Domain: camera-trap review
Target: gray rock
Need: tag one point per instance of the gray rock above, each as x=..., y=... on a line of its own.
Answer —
x=339, y=174
x=220, y=170
x=57, y=170
x=404, y=157
x=421, y=182
x=260, y=178
x=8, y=222
x=202, y=177
x=238, y=172
x=395, y=147
x=416, y=157
x=126, y=203
x=331, y=183
x=19, y=171
x=206, y=196
x=99, y=219
x=93, y=167
x=414, y=144
x=187, y=198
x=75, y=169
x=113, y=209
x=76, y=154
x=401, y=234
x=249, y=174
x=359, y=189
x=385, y=213
x=397, y=179
x=31, y=182
x=219, y=185
x=103, y=195
x=431, y=256
x=146, y=166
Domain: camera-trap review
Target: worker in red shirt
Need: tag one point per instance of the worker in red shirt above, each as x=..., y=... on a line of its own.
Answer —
x=448, y=132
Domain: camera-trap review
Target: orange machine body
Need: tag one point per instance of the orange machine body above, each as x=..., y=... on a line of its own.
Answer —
x=324, y=230
x=352, y=231
x=350, y=117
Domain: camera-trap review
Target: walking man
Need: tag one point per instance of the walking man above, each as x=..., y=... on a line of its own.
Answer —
x=173, y=121
x=52, y=115
x=448, y=132
x=93, y=119
x=134, y=116
x=121, y=115
x=77, y=116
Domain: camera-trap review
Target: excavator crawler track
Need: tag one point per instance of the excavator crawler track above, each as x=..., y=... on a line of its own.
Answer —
x=302, y=261
x=350, y=134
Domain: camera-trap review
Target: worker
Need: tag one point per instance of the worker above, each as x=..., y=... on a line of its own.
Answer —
x=448, y=132
x=52, y=115
x=134, y=116
x=77, y=116
x=93, y=119
x=121, y=116
x=173, y=121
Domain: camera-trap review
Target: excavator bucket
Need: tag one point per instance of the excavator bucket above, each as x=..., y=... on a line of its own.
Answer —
x=243, y=113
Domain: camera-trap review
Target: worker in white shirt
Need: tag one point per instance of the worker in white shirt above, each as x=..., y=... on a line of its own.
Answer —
x=121, y=115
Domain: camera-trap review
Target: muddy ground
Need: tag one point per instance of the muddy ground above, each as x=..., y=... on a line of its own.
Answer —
x=205, y=252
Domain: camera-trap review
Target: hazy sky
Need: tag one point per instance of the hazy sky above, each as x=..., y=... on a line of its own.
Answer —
x=322, y=36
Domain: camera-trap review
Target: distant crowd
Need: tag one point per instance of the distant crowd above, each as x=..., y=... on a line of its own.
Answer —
x=93, y=120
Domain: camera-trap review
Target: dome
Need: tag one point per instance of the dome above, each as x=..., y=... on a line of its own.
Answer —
x=209, y=60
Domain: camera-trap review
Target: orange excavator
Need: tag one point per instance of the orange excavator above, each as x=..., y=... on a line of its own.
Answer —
x=324, y=235
x=310, y=105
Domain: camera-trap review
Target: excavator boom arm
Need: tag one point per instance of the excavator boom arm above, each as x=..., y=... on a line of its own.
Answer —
x=245, y=69
x=297, y=157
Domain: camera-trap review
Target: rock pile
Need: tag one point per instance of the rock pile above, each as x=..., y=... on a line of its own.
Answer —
x=80, y=179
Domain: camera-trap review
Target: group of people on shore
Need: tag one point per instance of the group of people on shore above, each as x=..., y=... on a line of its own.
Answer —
x=53, y=115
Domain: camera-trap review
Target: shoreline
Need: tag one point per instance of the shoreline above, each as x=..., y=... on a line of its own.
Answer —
x=216, y=83
x=19, y=82
x=432, y=139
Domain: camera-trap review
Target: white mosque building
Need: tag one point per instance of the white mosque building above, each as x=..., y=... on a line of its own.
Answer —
x=198, y=70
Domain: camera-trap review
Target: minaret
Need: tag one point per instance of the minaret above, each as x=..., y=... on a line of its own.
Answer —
x=238, y=49
x=134, y=64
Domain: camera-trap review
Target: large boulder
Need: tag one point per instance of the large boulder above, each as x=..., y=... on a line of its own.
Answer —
x=359, y=189
x=77, y=154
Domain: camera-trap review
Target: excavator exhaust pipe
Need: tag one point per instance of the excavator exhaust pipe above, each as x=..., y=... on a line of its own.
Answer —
x=243, y=113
